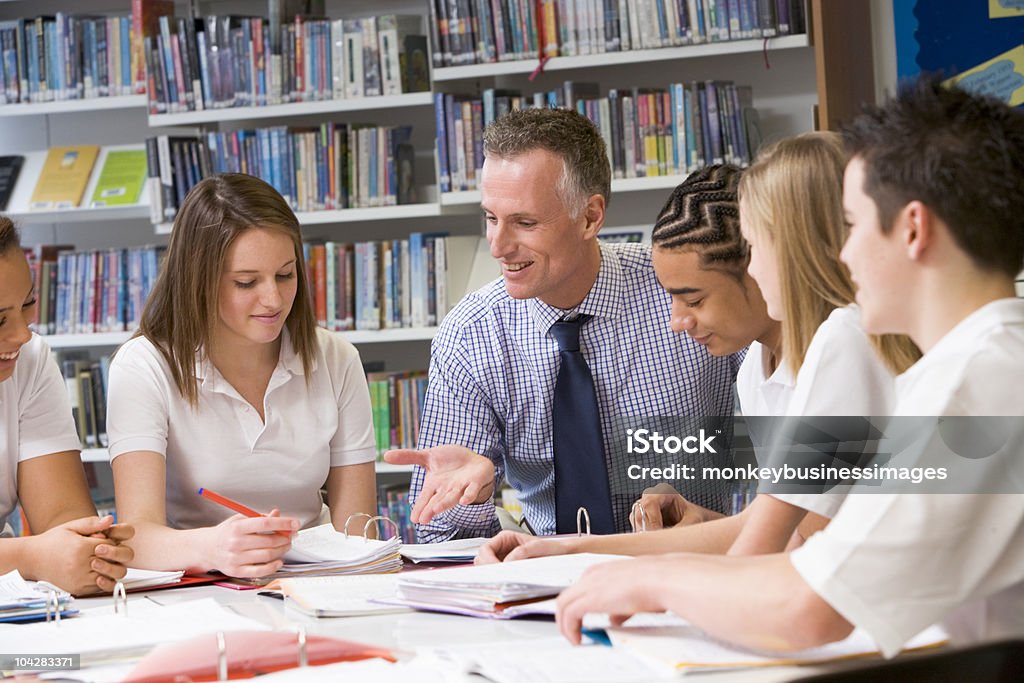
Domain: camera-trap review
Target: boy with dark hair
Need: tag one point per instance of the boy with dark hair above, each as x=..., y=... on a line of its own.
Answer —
x=934, y=198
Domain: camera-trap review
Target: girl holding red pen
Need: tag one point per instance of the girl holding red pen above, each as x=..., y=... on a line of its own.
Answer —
x=229, y=384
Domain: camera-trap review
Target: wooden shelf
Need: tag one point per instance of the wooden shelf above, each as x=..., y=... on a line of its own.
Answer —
x=292, y=109
x=606, y=59
x=75, y=106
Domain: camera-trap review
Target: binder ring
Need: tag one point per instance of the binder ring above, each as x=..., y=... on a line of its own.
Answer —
x=582, y=516
x=356, y=515
x=303, y=660
x=222, y=657
x=366, y=527
x=120, y=598
x=643, y=516
x=52, y=607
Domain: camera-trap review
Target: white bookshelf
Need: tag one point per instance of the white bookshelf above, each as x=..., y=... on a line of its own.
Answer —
x=606, y=59
x=362, y=215
x=292, y=109
x=121, y=103
x=82, y=215
x=103, y=340
x=619, y=185
x=100, y=455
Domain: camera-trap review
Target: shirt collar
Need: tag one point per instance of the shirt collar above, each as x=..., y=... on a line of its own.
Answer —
x=604, y=300
x=965, y=335
x=288, y=360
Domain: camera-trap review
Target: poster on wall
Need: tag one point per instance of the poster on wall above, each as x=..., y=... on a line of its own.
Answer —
x=978, y=44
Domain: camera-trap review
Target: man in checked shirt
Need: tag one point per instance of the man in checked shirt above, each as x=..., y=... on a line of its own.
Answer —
x=545, y=186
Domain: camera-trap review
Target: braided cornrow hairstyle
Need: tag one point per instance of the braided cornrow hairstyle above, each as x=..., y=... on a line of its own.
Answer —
x=702, y=215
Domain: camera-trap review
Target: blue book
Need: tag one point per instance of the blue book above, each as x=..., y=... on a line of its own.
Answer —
x=444, y=181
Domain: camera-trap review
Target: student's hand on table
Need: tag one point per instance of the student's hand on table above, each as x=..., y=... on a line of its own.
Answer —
x=665, y=507
x=619, y=589
x=250, y=547
x=509, y=546
x=454, y=476
x=78, y=557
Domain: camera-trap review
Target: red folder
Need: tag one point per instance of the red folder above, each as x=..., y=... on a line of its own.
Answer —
x=248, y=654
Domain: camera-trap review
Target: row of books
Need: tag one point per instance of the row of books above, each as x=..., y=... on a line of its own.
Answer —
x=393, y=504
x=86, y=381
x=92, y=291
x=333, y=166
x=647, y=131
x=64, y=57
x=397, y=402
x=236, y=61
x=482, y=31
x=387, y=284
x=66, y=172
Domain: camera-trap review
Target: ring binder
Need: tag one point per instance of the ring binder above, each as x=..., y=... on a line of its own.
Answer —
x=120, y=597
x=303, y=659
x=53, y=607
x=581, y=516
x=222, y=657
x=643, y=517
x=366, y=527
x=356, y=514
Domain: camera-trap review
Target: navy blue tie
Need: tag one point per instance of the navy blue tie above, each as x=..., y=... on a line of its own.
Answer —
x=581, y=475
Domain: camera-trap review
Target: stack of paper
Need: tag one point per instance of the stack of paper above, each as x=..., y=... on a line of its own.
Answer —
x=496, y=591
x=22, y=600
x=323, y=550
x=341, y=596
x=136, y=579
x=459, y=550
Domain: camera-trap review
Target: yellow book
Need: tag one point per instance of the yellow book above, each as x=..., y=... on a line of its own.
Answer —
x=64, y=176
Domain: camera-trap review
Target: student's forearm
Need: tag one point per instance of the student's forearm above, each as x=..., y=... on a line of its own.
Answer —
x=759, y=602
x=159, y=547
x=13, y=554
x=709, y=537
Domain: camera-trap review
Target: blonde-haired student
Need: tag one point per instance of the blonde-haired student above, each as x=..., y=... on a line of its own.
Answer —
x=230, y=385
x=933, y=196
x=40, y=462
x=823, y=363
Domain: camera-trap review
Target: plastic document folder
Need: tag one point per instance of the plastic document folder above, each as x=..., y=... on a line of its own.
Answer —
x=245, y=654
x=100, y=635
x=458, y=550
x=496, y=591
x=22, y=600
x=341, y=596
x=689, y=650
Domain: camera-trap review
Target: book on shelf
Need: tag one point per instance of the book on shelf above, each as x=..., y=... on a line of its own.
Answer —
x=122, y=177
x=10, y=167
x=328, y=167
x=145, y=22
x=647, y=131
x=241, y=61
x=64, y=177
x=65, y=57
x=483, y=31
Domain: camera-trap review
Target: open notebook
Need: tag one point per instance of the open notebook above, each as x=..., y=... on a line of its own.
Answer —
x=323, y=550
x=496, y=591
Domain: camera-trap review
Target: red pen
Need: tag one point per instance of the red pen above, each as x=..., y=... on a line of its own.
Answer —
x=236, y=506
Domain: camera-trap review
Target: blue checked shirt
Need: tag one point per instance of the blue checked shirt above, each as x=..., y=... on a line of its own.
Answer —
x=492, y=376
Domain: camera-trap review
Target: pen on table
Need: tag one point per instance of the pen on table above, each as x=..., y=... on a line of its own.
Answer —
x=236, y=506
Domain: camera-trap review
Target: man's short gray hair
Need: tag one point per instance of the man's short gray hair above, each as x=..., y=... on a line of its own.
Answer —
x=567, y=134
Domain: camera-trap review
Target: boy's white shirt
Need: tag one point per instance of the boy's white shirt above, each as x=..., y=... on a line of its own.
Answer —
x=893, y=564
